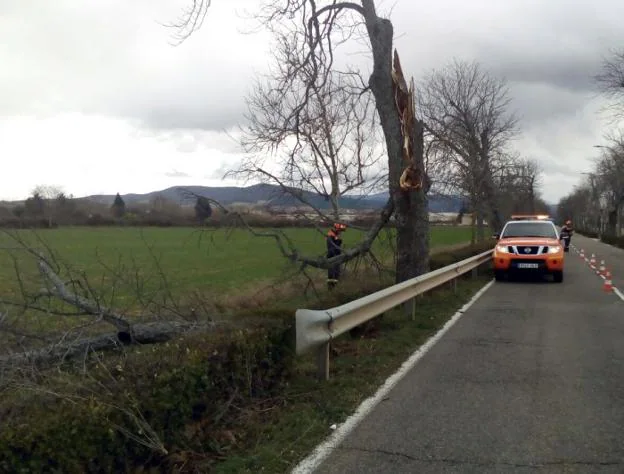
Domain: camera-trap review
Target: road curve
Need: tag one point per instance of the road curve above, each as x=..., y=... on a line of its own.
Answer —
x=530, y=379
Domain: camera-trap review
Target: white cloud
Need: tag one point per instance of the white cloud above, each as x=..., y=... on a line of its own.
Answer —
x=96, y=154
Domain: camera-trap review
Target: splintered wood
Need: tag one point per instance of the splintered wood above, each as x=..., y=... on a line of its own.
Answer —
x=411, y=178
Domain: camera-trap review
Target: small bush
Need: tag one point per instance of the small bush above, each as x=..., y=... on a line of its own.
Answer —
x=616, y=241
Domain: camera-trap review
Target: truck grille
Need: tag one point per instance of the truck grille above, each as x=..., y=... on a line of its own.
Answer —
x=528, y=249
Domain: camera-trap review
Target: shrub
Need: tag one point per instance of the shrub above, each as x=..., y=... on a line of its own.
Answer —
x=616, y=241
x=28, y=223
x=587, y=233
x=185, y=391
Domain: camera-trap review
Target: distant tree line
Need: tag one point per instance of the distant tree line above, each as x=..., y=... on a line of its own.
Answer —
x=49, y=207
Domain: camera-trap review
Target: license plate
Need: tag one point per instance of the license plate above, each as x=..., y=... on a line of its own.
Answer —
x=528, y=265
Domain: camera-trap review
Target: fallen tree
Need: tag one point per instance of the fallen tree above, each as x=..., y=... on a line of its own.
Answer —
x=143, y=333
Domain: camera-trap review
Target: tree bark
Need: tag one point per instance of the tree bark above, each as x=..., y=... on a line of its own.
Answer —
x=411, y=208
x=148, y=333
x=490, y=200
x=611, y=222
x=480, y=228
x=412, y=217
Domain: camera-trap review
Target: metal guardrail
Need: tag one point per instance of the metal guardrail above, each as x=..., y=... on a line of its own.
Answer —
x=316, y=328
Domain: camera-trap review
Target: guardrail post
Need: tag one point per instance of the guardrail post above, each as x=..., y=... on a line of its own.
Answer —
x=411, y=309
x=322, y=361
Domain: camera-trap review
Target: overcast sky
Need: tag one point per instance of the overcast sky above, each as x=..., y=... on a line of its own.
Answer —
x=94, y=98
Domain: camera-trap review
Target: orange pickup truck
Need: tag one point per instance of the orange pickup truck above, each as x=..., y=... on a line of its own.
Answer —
x=528, y=245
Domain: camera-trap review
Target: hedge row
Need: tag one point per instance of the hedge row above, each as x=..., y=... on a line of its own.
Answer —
x=194, y=393
x=152, y=220
x=588, y=233
x=616, y=241
x=156, y=221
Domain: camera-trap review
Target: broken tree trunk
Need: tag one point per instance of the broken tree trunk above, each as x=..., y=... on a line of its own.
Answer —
x=410, y=204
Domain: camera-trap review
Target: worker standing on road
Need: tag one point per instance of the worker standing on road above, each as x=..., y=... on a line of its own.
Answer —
x=566, y=234
x=334, y=248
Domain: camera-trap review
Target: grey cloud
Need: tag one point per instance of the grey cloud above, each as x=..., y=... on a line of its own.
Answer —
x=554, y=43
x=177, y=174
x=113, y=59
x=224, y=168
x=536, y=102
x=185, y=115
x=555, y=167
x=118, y=70
x=566, y=73
x=192, y=140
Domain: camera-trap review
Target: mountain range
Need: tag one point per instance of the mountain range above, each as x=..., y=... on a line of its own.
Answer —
x=272, y=195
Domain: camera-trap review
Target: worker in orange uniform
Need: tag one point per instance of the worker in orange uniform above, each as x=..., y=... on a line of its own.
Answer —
x=566, y=235
x=334, y=248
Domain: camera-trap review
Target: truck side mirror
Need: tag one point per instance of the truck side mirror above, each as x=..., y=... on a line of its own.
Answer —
x=496, y=236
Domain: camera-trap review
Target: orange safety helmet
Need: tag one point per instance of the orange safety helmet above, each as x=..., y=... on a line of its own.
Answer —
x=339, y=227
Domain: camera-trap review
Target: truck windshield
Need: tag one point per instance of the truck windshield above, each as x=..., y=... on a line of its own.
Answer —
x=529, y=229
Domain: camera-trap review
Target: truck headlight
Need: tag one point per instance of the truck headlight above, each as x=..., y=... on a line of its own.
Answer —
x=502, y=249
x=554, y=249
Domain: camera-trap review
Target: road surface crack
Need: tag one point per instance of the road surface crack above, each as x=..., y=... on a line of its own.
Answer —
x=483, y=463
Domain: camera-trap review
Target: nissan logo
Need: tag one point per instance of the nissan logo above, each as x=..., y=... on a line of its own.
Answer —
x=527, y=249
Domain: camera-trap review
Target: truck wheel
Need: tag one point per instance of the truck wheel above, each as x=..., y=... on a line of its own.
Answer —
x=499, y=275
x=558, y=277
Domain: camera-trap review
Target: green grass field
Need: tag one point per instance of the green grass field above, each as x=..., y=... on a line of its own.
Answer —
x=217, y=260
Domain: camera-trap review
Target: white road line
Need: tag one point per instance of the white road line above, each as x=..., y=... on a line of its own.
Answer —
x=322, y=451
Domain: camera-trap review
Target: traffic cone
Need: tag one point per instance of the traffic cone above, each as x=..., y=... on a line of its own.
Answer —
x=602, y=268
x=592, y=262
x=607, y=285
x=582, y=254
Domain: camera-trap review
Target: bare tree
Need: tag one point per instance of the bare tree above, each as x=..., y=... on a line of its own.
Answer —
x=597, y=204
x=48, y=191
x=582, y=207
x=326, y=143
x=610, y=173
x=465, y=110
x=45, y=201
x=519, y=185
x=408, y=184
x=531, y=178
x=610, y=80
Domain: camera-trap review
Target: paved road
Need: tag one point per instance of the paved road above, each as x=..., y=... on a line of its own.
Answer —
x=530, y=379
x=613, y=256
